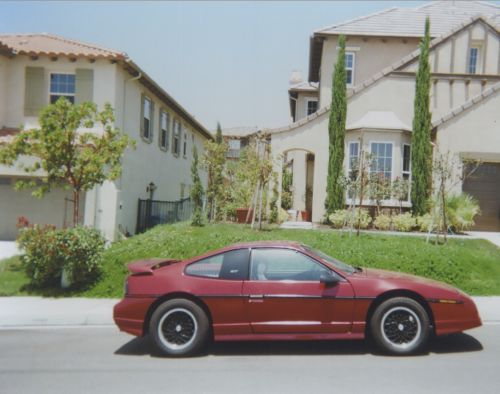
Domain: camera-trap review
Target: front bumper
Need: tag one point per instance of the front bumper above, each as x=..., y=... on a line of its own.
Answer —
x=452, y=318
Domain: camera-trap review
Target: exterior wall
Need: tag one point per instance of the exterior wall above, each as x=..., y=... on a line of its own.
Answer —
x=302, y=99
x=372, y=54
x=15, y=82
x=473, y=134
x=148, y=163
x=4, y=65
x=299, y=169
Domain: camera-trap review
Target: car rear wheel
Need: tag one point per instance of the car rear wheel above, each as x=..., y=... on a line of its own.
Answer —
x=179, y=327
x=400, y=326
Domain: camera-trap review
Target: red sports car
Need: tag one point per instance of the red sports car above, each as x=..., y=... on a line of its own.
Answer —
x=284, y=291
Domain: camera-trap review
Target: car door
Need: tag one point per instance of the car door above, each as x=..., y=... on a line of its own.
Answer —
x=218, y=281
x=286, y=296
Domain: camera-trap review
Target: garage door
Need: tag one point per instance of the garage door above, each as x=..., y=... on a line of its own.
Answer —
x=13, y=204
x=484, y=185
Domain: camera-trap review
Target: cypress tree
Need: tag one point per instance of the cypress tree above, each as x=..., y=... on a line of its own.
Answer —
x=335, y=193
x=196, y=192
x=421, y=156
x=218, y=134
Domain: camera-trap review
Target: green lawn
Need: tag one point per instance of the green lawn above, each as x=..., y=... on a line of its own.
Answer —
x=472, y=265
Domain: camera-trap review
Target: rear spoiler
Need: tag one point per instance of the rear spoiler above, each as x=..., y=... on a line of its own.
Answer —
x=146, y=267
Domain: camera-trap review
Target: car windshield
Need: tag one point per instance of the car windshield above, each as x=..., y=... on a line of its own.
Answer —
x=346, y=268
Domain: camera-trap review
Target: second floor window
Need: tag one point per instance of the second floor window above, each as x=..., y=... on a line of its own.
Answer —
x=147, y=118
x=312, y=106
x=164, y=129
x=62, y=85
x=349, y=68
x=176, y=141
x=473, y=60
x=184, y=149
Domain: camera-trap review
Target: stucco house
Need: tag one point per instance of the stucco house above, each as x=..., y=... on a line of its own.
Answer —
x=381, y=62
x=36, y=69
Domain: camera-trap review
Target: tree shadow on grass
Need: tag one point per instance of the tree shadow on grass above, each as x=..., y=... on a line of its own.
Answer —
x=456, y=343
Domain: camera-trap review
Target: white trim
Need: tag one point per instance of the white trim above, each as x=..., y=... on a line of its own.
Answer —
x=350, y=49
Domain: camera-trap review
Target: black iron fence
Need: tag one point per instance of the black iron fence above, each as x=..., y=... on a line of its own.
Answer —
x=153, y=212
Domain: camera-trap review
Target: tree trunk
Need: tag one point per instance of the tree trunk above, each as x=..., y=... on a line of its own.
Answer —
x=443, y=203
x=76, y=207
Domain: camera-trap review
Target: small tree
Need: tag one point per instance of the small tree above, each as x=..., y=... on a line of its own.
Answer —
x=68, y=155
x=213, y=161
x=421, y=157
x=274, y=215
x=378, y=189
x=196, y=193
x=286, y=188
x=335, y=192
x=399, y=190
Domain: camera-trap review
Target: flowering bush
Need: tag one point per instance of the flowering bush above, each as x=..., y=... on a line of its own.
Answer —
x=344, y=217
x=48, y=252
x=425, y=223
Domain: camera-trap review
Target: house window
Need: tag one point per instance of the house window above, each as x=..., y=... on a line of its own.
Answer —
x=381, y=160
x=176, y=143
x=312, y=106
x=234, y=149
x=164, y=129
x=349, y=68
x=353, y=156
x=184, y=147
x=147, y=117
x=473, y=60
x=62, y=85
x=407, y=166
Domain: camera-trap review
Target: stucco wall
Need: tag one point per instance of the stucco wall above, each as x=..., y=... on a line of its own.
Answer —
x=475, y=134
x=372, y=54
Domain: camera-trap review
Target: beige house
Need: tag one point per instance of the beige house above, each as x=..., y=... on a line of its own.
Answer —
x=381, y=62
x=36, y=69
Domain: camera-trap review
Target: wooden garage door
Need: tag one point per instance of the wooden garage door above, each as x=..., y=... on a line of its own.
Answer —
x=484, y=185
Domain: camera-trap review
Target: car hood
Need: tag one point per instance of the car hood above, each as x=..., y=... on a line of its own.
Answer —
x=373, y=273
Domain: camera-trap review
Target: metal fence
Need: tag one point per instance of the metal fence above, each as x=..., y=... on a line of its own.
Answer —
x=153, y=212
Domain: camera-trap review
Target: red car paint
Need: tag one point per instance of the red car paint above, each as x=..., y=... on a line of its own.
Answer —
x=262, y=310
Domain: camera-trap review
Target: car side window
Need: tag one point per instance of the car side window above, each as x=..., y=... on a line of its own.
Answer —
x=231, y=265
x=283, y=264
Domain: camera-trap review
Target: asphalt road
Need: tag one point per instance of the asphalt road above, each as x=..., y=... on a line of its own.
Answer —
x=102, y=360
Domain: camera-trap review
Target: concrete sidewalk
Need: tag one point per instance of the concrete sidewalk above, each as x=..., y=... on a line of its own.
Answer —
x=37, y=311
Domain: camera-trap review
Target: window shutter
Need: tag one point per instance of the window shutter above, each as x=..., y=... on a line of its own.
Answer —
x=84, y=90
x=141, y=123
x=35, y=94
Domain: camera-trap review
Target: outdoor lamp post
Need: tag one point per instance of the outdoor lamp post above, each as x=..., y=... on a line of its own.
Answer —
x=151, y=189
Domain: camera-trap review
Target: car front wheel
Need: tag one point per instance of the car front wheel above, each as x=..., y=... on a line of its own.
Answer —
x=179, y=327
x=400, y=326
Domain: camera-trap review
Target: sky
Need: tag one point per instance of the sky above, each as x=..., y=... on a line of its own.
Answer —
x=227, y=61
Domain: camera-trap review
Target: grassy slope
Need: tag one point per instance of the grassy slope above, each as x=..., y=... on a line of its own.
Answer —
x=472, y=265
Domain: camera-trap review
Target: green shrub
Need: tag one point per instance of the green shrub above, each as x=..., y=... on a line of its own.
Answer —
x=47, y=252
x=425, y=223
x=404, y=222
x=344, y=217
x=383, y=222
x=461, y=209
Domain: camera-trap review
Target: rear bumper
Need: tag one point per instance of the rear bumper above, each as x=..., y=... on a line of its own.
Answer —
x=129, y=314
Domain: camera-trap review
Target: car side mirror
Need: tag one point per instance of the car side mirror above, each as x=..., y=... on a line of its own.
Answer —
x=328, y=278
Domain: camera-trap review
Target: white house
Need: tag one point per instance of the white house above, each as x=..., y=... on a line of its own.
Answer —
x=381, y=61
x=36, y=69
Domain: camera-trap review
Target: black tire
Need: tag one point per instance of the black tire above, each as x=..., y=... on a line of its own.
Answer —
x=400, y=326
x=179, y=327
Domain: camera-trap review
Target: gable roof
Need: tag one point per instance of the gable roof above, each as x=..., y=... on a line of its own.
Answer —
x=43, y=44
x=52, y=45
x=408, y=22
x=397, y=65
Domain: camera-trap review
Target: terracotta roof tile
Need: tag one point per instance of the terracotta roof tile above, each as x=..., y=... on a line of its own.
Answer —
x=52, y=45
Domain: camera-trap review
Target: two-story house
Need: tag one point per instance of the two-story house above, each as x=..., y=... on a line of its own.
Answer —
x=381, y=62
x=37, y=69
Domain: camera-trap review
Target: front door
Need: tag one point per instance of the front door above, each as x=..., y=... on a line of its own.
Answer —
x=285, y=295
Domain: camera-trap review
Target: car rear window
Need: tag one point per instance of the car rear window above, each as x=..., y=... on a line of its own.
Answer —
x=231, y=265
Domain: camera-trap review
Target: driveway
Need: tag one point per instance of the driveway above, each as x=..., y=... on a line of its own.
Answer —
x=8, y=249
